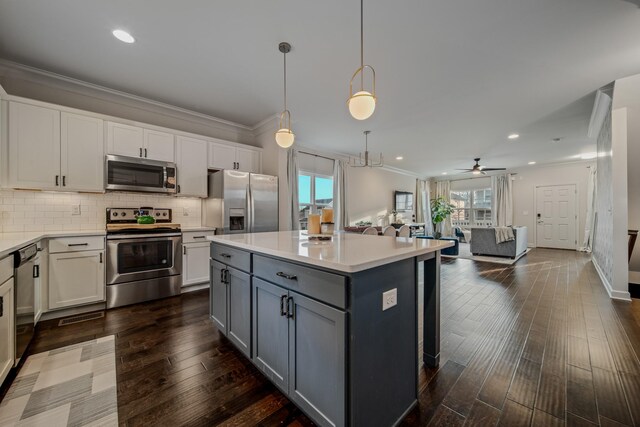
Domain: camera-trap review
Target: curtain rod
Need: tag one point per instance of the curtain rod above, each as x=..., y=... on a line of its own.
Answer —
x=316, y=155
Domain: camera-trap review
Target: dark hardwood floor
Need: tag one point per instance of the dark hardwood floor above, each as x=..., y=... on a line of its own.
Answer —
x=536, y=343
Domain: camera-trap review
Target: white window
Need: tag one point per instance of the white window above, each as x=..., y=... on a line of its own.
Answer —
x=315, y=192
x=472, y=207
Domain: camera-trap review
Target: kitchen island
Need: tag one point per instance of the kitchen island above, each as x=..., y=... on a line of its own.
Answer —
x=333, y=324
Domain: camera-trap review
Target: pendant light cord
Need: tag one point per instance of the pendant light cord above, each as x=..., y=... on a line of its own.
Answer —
x=285, y=81
x=362, y=44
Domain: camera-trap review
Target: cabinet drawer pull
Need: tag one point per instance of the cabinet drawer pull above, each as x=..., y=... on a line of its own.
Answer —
x=140, y=151
x=225, y=255
x=57, y=180
x=199, y=237
x=36, y=271
x=77, y=244
x=287, y=276
x=282, y=300
x=1, y=306
x=100, y=257
x=145, y=153
x=64, y=180
x=290, y=306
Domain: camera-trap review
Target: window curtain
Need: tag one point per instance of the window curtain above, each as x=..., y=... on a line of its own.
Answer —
x=423, y=205
x=502, y=200
x=590, y=220
x=443, y=189
x=292, y=183
x=341, y=219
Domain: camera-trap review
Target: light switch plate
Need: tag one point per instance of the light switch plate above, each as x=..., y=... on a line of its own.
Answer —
x=185, y=211
x=389, y=299
x=75, y=209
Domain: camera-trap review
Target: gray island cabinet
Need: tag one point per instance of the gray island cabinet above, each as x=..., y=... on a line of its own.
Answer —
x=334, y=324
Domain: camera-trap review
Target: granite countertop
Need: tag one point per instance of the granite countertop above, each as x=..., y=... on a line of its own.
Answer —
x=346, y=252
x=10, y=242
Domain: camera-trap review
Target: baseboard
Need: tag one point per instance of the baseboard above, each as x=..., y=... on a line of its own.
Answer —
x=613, y=294
x=56, y=314
x=193, y=288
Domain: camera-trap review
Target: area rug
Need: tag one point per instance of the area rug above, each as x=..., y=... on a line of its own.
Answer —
x=465, y=253
x=69, y=386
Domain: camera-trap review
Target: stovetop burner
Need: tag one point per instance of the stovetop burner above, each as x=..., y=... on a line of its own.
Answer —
x=125, y=220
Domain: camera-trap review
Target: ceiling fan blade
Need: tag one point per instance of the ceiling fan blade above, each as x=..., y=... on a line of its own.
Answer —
x=468, y=170
x=494, y=169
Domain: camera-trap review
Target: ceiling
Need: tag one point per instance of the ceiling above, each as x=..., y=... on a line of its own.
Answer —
x=454, y=77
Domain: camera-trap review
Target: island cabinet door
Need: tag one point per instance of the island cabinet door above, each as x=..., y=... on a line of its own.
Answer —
x=317, y=360
x=239, y=320
x=218, y=296
x=271, y=332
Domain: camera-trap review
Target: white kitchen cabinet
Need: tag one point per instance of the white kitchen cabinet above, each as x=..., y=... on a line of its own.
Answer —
x=195, y=263
x=248, y=160
x=82, y=153
x=34, y=147
x=223, y=156
x=76, y=278
x=192, y=166
x=135, y=141
x=159, y=146
x=7, y=332
x=124, y=140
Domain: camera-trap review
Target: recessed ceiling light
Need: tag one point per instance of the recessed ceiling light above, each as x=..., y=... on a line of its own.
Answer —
x=513, y=136
x=532, y=163
x=123, y=36
x=444, y=173
x=399, y=158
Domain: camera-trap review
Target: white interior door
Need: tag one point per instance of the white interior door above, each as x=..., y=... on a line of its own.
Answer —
x=556, y=216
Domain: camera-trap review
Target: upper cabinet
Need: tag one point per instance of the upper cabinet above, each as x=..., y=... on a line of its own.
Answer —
x=82, y=153
x=192, y=166
x=34, y=147
x=223, y=156
x=50, y=150
x=134, y=141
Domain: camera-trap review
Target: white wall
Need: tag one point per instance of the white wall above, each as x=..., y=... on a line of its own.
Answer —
x=371, y=192
x=633, y=189
x=524, y=189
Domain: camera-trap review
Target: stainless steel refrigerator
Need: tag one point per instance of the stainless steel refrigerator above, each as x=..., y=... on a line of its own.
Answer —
x=241, y=202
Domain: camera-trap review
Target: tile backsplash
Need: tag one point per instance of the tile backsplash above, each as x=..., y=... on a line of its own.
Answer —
x=23, y=210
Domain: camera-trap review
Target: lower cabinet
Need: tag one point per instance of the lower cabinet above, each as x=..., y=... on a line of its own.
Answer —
x=231, y=304
x=6, y=328
x=195, y=259
x=299, y=343
x=76, y=278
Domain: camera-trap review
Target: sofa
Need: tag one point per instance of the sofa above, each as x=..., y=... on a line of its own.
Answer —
x=483, y=242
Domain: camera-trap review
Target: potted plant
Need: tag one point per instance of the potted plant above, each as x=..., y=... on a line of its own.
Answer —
x=440, y=210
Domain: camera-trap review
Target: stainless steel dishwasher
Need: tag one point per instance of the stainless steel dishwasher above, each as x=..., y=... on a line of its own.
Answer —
x=26, y=271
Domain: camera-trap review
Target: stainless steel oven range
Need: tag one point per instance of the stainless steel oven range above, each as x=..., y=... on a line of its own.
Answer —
x=144, y=261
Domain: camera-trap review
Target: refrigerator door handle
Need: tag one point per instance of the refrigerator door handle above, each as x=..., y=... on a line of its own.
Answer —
x=251, y=210
x=248, y=212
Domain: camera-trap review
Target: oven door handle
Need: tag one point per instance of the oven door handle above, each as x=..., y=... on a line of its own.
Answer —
x=141, y=236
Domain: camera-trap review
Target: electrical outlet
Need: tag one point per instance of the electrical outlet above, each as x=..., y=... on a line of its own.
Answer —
x=186, y=211
x=389, y=299
x=75, y=209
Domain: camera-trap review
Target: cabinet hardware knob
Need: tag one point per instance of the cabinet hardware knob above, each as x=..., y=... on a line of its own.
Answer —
x=282, y=300
x=290, y=308
x=286, y=276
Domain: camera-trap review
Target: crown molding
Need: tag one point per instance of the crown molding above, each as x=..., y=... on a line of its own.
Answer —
x=71, y=84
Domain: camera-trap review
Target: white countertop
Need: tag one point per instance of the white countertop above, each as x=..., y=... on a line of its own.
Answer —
x=346, y=252
x=10, y=242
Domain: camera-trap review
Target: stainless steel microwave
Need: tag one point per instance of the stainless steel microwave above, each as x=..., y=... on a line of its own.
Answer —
x=133, y=174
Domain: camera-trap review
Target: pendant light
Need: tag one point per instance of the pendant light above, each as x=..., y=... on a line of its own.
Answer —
x=365, y=161
x=362, y=103
x=284, y=135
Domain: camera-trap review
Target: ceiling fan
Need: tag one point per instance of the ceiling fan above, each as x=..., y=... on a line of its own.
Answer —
x=477, y=169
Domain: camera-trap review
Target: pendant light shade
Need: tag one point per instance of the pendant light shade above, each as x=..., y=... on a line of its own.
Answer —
x=284, y=136
x=362, y=104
